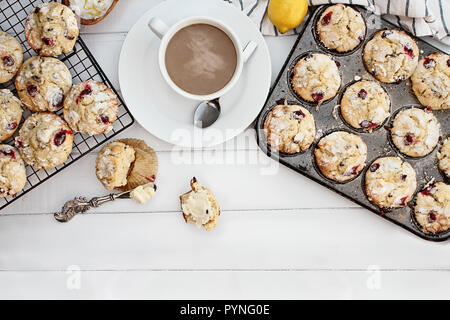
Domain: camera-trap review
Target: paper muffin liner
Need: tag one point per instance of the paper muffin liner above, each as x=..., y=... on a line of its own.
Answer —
x=145, y=166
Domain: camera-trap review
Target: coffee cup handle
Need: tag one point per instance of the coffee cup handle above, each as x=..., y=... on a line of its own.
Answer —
x=248, y=50
x=158, y=27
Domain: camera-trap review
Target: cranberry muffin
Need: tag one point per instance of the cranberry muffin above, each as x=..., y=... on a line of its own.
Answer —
x=91, y=108
x=44, y=140
x=341, y=156
x=289, y=129
x=390, y=182
x=316, y=78
x=341, y=28
x=114, y=162
x=415, y=132
x=431, y=81
x=391, y=56
x=199, y=206
x=432, y=209
x=365, y=105
x=51, y=29
x=12, y=171
x=42, y=83
x=10, y=114
x=11, y=55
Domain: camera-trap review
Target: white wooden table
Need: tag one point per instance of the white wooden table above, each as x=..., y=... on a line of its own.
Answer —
x=280, y=235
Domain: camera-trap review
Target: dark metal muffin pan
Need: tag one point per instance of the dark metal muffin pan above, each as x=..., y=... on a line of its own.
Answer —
x=378, y=141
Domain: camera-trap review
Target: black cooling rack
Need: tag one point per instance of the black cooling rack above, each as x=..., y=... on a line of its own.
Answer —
x=82, y=66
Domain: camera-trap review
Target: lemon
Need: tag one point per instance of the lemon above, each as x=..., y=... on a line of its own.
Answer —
x=287, y=14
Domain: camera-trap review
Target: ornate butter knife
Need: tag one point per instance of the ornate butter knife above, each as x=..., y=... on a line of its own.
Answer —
x=80, y=205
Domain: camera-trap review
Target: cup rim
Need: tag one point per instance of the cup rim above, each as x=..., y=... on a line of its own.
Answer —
x=187, y=22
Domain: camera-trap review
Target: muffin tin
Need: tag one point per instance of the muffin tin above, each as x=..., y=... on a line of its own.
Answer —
x=328, y=120
x=82, y=66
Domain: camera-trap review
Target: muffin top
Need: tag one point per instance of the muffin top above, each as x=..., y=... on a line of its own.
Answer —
x=341, y=28
x=316, y=78
x=415, y=132
x=365, y=105
x=289, y=129
x=390, y=182
x=42, y=83
x=391, y=56
x=91, y=108
x=10, y=114
x=341, y=155
x=431, y=81
x=44, y=140
x=432, y=209
x=11, y=57
x=51, y=29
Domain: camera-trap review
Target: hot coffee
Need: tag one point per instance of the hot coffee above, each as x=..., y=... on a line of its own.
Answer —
x=201, y=59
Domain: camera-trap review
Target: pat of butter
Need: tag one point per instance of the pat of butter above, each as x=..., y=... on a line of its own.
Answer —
x=198, y=206
x=143, y=193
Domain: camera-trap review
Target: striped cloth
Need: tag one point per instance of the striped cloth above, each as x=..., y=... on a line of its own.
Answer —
x=420, y=17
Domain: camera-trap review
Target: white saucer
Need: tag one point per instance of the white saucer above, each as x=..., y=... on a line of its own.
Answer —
x=163, y=112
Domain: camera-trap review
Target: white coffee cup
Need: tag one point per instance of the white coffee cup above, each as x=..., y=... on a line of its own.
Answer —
x=166, y=33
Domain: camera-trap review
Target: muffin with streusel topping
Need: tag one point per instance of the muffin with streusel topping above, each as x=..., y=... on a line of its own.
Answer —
x=340, y=155
x=12, y=171
x=391, y=56
x=42, y=83
x=431, y=81
x=45, y=140
x=341, y=28
x=365, y=105
x=415, y=132
x=432, y=209
x=390, y=182
x=91, y=108
x=289, y=129
x=51, y=28
x=10, y=114
x=316, y=78
x=11, y=56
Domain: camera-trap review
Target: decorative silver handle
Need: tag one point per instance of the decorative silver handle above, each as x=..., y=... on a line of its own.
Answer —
x=80, y=205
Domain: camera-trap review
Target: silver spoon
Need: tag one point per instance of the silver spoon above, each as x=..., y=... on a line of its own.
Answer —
x=208, y=112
